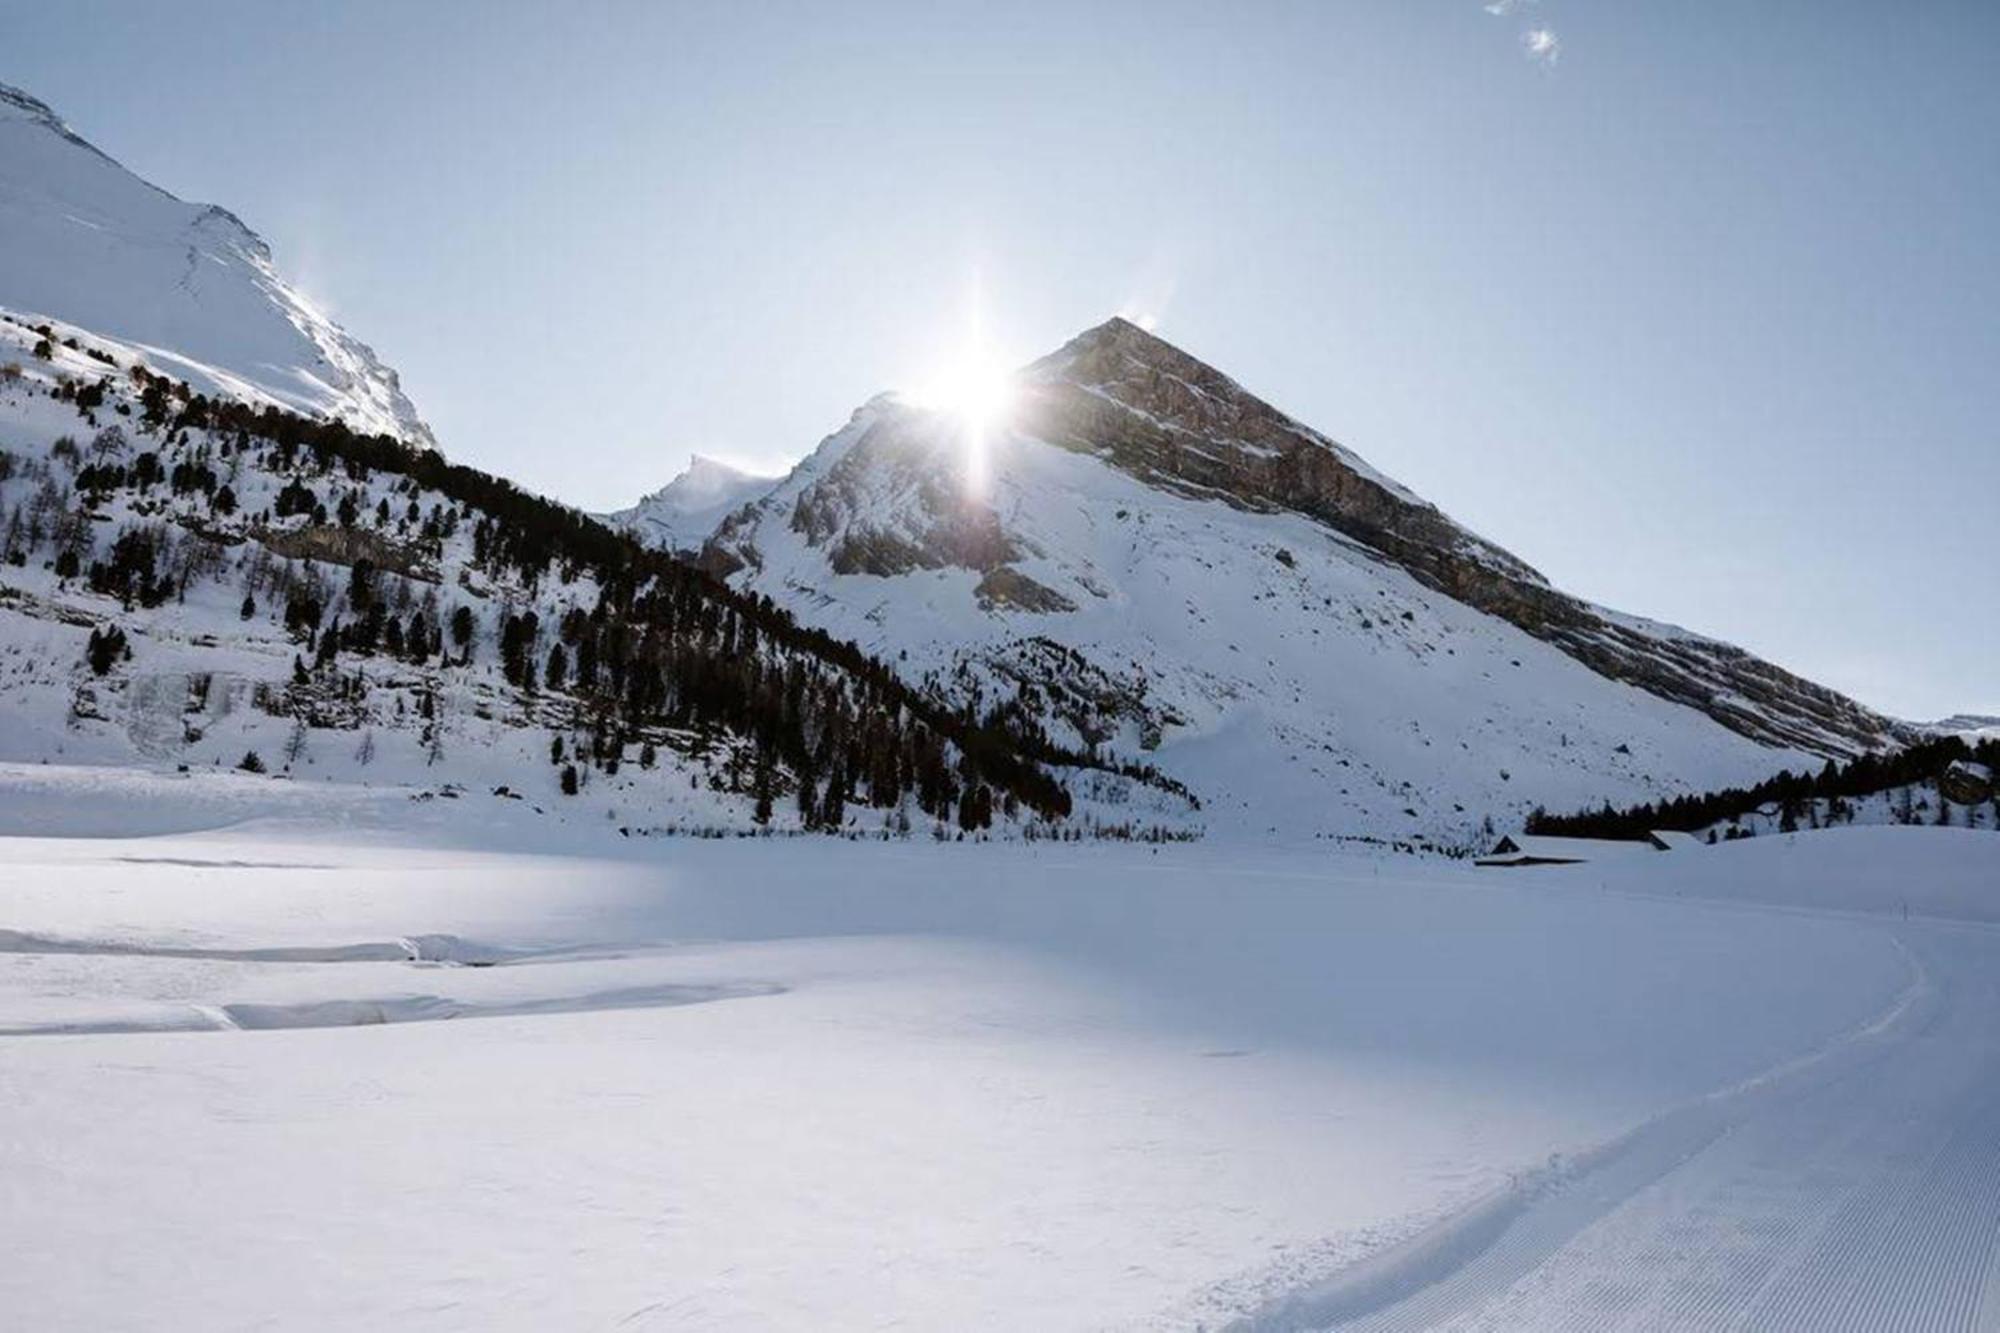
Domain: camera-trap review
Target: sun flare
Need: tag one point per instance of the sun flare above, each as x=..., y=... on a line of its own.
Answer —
x=976, y=390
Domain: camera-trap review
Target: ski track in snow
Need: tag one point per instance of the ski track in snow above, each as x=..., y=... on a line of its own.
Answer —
x=351, y=1011
x=409, y=949
x=345, y=1013
x=1854, y=1188
x=433, y=1008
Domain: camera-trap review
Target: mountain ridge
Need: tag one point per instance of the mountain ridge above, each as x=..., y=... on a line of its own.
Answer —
x=187, y=287
x=1308, y=472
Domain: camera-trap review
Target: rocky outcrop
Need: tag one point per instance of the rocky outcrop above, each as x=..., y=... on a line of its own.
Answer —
x=1054, y=681
x=335, y=545
x=884, y=505
x=1009, y=588
x=1966, y=782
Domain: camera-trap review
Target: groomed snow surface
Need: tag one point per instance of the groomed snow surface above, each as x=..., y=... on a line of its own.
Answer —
x=374, y=1064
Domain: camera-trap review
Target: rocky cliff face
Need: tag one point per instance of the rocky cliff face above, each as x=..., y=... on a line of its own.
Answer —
x=1144, y=406
x=876, y=501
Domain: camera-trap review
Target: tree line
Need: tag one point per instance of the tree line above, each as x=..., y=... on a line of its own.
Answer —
x=1788, y=792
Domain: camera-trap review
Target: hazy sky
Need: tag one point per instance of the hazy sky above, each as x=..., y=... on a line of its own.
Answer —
x=1695, y=307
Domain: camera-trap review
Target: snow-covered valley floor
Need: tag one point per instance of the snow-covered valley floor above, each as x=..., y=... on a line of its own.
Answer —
x=810, y=1084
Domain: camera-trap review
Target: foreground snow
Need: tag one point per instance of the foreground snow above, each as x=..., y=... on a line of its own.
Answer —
x=1857, y=1186
x=810, y=1084
x=1861, y=1191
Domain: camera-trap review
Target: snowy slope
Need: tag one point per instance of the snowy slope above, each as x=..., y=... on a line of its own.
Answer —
x=341, y=612
x=680, y=515
x=1156, y=563
x=205, y=683
x=187, y=287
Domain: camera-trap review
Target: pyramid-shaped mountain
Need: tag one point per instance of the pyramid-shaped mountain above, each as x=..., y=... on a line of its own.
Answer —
x=1147, y=558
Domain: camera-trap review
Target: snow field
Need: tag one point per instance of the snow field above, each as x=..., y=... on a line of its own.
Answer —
x=820, y=1085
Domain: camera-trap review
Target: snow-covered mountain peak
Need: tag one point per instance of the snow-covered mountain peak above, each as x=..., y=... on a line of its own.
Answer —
x=682, y=513
x=1145, y=556
x=1111, y=352
x=228, y=229
x=1174, y=421
x=189, y=289
x=706, y=478
x=1142, y=371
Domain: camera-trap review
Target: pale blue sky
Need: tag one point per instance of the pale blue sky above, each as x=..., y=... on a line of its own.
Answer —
x=1703, y=318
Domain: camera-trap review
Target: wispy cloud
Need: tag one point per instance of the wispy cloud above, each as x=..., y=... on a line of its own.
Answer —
x=1153, y=290
x=1540, y=44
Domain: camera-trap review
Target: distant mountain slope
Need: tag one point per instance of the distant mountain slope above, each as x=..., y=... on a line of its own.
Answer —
x=1969, y=725
x=226, y=542
x=1164, y=566
x=187, y=580
x=681, y=514
x=86, y=242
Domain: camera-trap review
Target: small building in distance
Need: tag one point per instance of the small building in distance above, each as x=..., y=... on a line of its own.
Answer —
x=1527, y=849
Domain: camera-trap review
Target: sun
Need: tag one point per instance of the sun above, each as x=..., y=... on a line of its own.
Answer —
x=970, y=381
x=976, y=395
x=977, y=390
